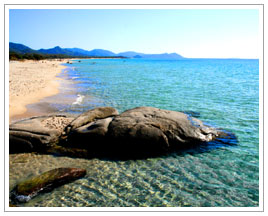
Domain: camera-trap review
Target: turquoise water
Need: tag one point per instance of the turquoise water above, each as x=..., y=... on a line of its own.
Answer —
x=223, y=93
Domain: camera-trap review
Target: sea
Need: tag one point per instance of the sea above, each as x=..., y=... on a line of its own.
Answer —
x=223, y=93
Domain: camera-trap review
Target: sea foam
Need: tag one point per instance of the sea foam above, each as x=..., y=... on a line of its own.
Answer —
x=79, y=99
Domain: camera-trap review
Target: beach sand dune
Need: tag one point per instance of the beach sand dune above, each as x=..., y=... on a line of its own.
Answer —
x=30, y=81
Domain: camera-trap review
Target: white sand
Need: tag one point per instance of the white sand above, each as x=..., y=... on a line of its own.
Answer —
x=30, y=81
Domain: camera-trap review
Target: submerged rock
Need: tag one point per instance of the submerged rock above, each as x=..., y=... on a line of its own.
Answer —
x=36, y=133
x=67, y=151
x=45, y=182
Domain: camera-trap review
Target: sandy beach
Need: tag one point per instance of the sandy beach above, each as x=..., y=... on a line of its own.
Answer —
x=30, y=81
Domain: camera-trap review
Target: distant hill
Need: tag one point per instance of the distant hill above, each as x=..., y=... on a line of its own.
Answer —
x=20, y=48
x=101, y=52
x=132, y=54
x=77, y=52
x=164, y=56
x=55, y=50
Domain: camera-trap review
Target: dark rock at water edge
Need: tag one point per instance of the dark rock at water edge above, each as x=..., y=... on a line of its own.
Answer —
x=36, y=134
x=141, y=132
x=45, y=182
x=102, y=132
x=192, y=113
x=91, y=137
x=148, y=131
x=42, y=134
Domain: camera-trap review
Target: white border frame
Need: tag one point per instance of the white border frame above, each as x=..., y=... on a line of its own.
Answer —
x=138, y=209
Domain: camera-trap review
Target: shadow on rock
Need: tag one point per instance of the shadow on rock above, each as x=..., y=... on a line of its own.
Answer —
x=124, y=149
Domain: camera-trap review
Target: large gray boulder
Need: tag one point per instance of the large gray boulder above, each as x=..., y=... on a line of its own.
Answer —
x=36, y=133
x=139, y=132
x=148, y=130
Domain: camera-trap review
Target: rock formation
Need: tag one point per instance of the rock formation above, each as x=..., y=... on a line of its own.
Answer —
x=139, y=132
x=36, y=134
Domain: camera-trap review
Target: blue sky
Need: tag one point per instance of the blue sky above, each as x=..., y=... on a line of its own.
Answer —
x=196, y=33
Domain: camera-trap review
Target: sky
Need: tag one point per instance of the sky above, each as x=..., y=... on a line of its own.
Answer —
x=192, y=33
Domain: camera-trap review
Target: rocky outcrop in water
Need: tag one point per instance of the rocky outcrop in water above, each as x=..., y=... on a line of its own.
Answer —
x=139, y=132
x=45, y=182
x=149, y=129
x=36, y=134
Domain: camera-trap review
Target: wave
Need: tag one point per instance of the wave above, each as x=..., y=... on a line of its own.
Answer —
x=79, y=99
x=75, y=77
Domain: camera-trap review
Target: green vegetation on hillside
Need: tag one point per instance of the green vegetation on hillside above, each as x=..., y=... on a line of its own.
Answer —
x=34, y=56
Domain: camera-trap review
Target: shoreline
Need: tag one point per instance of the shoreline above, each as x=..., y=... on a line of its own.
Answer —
x=31, y=81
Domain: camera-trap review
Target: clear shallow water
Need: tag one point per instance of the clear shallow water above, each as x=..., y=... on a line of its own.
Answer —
x=224, y=92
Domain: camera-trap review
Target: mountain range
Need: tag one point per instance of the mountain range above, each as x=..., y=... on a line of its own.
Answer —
x=77, y=52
